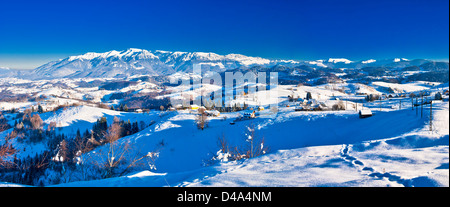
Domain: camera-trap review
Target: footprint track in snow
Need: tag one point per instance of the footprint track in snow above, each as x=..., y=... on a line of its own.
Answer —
x=357, y=163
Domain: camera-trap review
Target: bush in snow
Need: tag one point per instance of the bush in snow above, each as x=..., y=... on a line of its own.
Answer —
x=338, y=106
x=372, y=97
x=253, y=146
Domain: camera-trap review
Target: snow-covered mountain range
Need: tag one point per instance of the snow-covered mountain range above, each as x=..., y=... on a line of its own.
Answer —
x=143, y=62
x=118, y=64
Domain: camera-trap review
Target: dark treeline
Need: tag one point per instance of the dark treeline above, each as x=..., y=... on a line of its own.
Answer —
x=60, y=152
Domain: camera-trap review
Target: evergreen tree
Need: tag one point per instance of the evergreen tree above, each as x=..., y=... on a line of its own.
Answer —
x=308, y=96
x=78, y=134
x=86, y=134
x=100, y=127
x=127, y=128
x=438, y=96
x=40, y=109
x=135, y=128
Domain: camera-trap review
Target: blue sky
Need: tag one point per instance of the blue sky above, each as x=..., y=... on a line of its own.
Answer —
x=35, y=32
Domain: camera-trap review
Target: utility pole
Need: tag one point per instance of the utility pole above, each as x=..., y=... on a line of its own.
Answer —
x=380, y=102
x=431, y=115
x=417, y=112
x=421, y=108
x=400, y=104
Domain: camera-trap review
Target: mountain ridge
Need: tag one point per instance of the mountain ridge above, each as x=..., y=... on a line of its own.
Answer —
x=133, y=61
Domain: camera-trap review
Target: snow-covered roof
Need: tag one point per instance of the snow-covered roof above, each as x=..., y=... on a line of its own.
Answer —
x=365, y=112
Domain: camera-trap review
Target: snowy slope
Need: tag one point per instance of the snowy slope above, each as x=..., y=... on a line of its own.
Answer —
x=307, y=149
x=324, y=148
x=400, y=88
x=83, y=117
x=73, y=118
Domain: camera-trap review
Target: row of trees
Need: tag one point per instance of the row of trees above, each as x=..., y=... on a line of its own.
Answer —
x=28, y=129
x=291, y=98
x=120, y=108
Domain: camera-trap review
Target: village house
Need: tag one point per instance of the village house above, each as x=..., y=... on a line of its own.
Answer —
x=364, y=113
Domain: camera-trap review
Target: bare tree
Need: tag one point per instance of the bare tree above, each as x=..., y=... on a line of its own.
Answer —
x=202, y=119
x=4, y=126
x=6, y=152
x=338, y=106
x=63, y=152
x=117, y=158
x=81, y=147
x=116, y=119
x=36, y=121
x=51, y=126
x=26, y=114
x=3, y=123
x=103, y=106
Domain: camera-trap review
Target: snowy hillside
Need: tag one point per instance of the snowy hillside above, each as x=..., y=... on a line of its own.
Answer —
x=83, y=117
x=352, y=152
x=320, y=126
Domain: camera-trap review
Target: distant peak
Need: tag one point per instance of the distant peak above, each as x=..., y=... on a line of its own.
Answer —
x=400, y=59
x=338, y=60
x=86, y=56
x=368, y=61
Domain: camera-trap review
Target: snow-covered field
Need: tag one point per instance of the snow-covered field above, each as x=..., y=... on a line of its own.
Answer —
x=322, y=149
x=394, y=147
